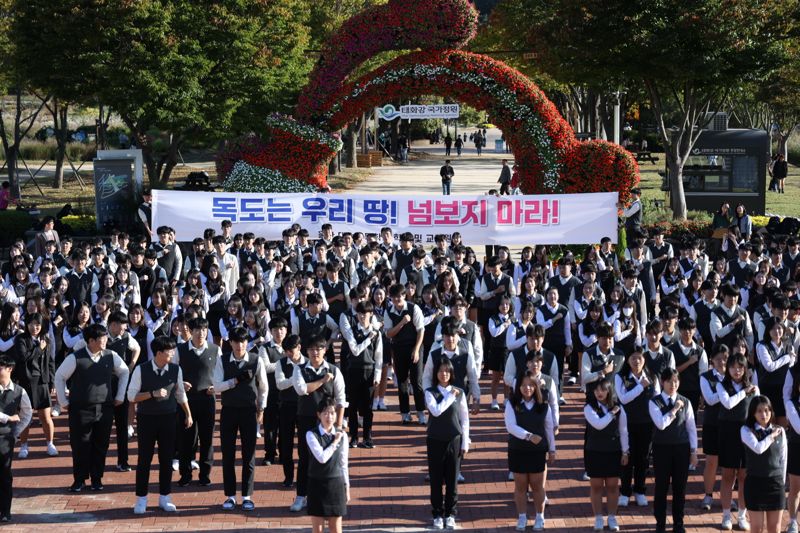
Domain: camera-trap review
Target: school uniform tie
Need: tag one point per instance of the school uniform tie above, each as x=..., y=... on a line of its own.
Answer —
x=326, y=440
x=762, y=434
x=670, y=404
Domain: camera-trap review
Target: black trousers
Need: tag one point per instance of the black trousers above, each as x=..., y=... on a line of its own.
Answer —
x=121, y=429
x=359, y=388
x=671, y=465
x=640, y=437
x=405, y=369
x=7, y=442
x=203, y=407
x=288, y=424
x=272, y=425
x=557, y=347
x=154, y=429
x=304, y=424
x=89, y=433
x=505, y=188
x=238, y=421
x=444, y=463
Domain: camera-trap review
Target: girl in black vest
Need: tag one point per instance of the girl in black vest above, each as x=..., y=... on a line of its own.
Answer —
x=233, y=318
x=672, y=280
x=498, y=326
x=527, y=294
x=217, y=294
x=516, y=335
x=710, y=385
x=775, y=356
x=612, y=309
x=74, y=331
x=792, y=404
x=635, y=386
x=605, y=450
x=379, y=306
x=531, y=446
x=628, y=332
x=691, y=294
x=766, y=448
x=329, y=480
x=523, y=268
x=735, y=395
x=674, y=449
x=587, y=329
x=10, y=327
x=447, y=442
x=35, y=372
x=158, y=314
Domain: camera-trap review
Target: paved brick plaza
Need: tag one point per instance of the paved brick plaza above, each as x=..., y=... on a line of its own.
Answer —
x=388, y=488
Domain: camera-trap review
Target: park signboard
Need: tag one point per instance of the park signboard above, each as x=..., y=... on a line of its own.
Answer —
x=419, y=112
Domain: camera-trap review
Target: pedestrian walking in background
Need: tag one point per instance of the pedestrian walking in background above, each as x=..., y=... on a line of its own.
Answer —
x=447, y=173
x=505, y=178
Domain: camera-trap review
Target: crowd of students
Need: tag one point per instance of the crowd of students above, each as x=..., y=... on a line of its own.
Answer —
x=300, y=338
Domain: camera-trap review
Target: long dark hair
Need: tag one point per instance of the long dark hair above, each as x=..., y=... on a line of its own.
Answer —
x=5, y=319
x=611, y=397
x=516, y=398
x=625, y=368
x=444, y=362
x=736, y=359
x=757, y=402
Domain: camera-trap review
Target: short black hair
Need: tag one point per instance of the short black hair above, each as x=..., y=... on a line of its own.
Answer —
x=94, y=332
x=162, y=344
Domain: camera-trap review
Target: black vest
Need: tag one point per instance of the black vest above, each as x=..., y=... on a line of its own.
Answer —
x=245, y=394
x=599, y=360
x=533, y=421
x=330, y=469
x=288, y=395
x=767, y=380
x=794, y=438
x=492, y=304
x=564, y=289
x=366, y=359
x=9, y=405
x=711, y=412
x=459, y=360
x=282, y=307
x=408, y=334
x=659, y=364
x=676, y=432
x=312, y=327
x=446, y=426
x=120, y=346
x=338, y=307
x=739, y=411
x=167, y=261
x=91, y=383
x=402, y=259
x=555, y=333
x=690, y=377
x=498, y=343
x=637, y=410
x=521, y=357
x=198, y=369
x=768, y=464
x=606, y=439
x=730, y=338
x=417, y=277
x=703, y=314
x=274, y=354
x=151, y=381
x=307, y=405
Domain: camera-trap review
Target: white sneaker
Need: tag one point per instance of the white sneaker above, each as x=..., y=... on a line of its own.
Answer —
x=450, y=522
x=495, y=406
x=612, y=523
x=727, y=523
x=423, y=420
x=375, y=404
x=460, y=478
x=52, y=451
x=706, y=503
x=598, y=523
x=195, y=466
x=623, y=501
x=130, y=432
x=298, y=505
x=511, y=476
x=572, y=380
x=538, y=524
x=141, y=505
x=792, y=527
x=438, y=523
x=585, y=477
x=55, y=411
x=742, y=522
x=165, y=502
x=562, y=401
x=258, y=434
x=641, y=500
x=23, y=451
x=175, y=465
x=522, y=522
x=381, y=405
x=229, y=505
x=405, y=418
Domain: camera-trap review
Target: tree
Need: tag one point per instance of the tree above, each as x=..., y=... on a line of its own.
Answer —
x=179, y=71
x=687, y=56
x=781, y=94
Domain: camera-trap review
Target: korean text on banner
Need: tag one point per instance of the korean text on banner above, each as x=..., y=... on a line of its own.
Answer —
x=551, y=219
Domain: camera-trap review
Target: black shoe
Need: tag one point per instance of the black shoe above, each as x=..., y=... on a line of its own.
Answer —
x=184, y=481
x=367, y=444
x=77, y=486
x=354, y=443
x=678, y=529
x=287, y=483
x=204, y=481
x=661, y=528
x=97, y=486
x=5, y=518
x=125, y=467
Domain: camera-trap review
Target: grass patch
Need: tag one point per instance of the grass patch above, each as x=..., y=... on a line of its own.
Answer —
x=348, y=178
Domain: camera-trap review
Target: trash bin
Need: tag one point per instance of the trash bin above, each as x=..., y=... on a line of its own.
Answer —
x=499, y=146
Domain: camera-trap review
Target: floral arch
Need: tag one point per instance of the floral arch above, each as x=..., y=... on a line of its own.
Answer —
x=550, y=158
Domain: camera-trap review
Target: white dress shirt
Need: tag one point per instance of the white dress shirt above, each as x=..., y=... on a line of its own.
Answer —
x=601, y=422
x=323, y=455
x=69, y=365
x=448, y=398
x=221, y=384
x=25, y=411
x=662, y=421
x=136, y=382
x=510, y=417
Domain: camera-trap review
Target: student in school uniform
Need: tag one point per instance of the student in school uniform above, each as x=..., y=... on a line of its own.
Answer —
x=531, y=445
x=447, y=443
x=635, y=386
x=287, y=404
x=15, y=415
x=674, y=449
x=710, y=383
x=241, y=380
x=690, y=360
x=157, y=387
x=271, y=354
x=735, y=394
x=776, y=356
x=658, y=358
x=328, y=477
x=766, y=456
x=602, y=360
x=606, y=450
x=792, y=404
x=499, y=324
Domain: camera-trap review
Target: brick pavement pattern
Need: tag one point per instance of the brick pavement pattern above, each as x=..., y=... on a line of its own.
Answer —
x=388, y=488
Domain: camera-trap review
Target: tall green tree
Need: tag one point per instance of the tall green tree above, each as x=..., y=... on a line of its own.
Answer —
x=781, y=94
x=688, y=56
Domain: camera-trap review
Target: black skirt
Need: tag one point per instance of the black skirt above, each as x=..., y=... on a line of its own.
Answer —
x=793, y=465
x=711, y=439
x=775, y=395
x=764, y=494
x=602, y=464
x=39, y=394
x=731, y=448
x=327, y=497
x=526, y=462
x=497, y=359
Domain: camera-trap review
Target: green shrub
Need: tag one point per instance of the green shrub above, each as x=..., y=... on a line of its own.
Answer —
x=81, y=224
x=32, y=150
x=14, y=224
x=794, y=150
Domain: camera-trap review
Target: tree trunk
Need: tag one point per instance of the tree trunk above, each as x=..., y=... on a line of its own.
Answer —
x=350, y=143
x=677, y=197
x=60, y=113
